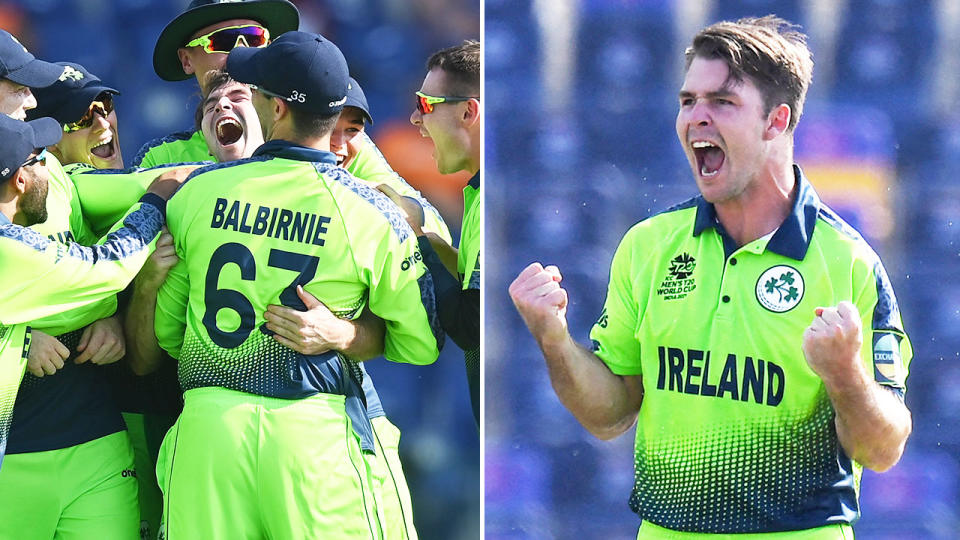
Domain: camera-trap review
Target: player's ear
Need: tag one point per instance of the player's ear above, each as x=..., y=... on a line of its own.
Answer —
x=18, y=182
x=777, y=121
x=280, y=108
x=471, y=113
x=185, y=61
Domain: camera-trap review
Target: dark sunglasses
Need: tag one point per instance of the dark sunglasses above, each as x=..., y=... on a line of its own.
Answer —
x=102, y=106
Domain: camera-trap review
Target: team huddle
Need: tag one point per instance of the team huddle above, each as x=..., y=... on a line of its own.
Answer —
x=242, y=271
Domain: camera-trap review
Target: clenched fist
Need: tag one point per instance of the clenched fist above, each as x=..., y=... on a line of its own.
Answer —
x=832, y=342
x=542, y=303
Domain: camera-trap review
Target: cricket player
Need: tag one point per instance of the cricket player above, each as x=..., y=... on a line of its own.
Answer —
x=749, y=333
x=45, y=276
x=84, y=106
x=255, y=411
x=68, y=343
x=448, y=112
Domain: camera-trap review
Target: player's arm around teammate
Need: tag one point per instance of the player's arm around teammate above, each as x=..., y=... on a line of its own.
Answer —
x=317, y=330
x=872, y=422
x=604, y=403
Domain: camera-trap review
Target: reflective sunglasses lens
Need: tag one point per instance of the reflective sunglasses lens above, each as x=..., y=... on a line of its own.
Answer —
x=424, y=106
x=225, y=40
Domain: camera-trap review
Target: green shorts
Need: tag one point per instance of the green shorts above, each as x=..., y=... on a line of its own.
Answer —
x=649, y=531
x=238, y=465
x=389, y=482
x=81, y=492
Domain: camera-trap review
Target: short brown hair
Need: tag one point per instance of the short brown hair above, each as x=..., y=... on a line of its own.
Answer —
x=462, y=65
x=772, y=52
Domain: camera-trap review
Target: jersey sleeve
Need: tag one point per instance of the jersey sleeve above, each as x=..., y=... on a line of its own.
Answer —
x=468, y=256
x=107, y=194
x=614, y=335
x=372, y=167
x=46, y=277
x=170, y=320
x=400, y=289
x=886, y=346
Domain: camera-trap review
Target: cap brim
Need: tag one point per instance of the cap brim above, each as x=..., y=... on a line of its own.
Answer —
x=36, y=74
x=354, y=103
x=46, y=131
x=277, y=16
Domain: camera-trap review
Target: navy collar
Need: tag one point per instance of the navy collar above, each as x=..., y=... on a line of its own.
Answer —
x=475, y=181
x=793, y=237
x=288, y=150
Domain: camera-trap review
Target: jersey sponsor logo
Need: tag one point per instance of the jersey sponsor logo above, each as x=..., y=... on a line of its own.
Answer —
x=780, y=288
x=678, y=283
x=338, y=102
x=411, y=260
x=687, y=371
x=129, y=473
x=603, y=321
x=291, y=225
x=886, y=359
x=70, y=73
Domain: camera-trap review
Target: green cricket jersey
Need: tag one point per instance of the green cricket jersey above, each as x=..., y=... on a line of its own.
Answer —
x=247, y=233
x=368, y=165
x=44, y=277
x=105, y=195
x=180, y=147
x=65, y=224
x=736, y=433
x=468, y=268
x=468, y=255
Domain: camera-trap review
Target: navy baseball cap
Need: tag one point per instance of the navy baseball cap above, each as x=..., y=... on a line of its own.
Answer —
x=19, y=66
x=68, y=99
x=307, y=70
x=277, y=16
x=20, y=139
x=355, y=98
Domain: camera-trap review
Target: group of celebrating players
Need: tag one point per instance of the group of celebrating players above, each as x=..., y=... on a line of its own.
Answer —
x=268, y=252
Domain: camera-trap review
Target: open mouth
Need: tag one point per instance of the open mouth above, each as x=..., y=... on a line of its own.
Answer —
x=709, y=158
x=104, y=150
x=229, y=131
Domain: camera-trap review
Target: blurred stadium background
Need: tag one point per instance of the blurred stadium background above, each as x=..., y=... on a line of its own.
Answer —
x=581, y=144
x=386, y=43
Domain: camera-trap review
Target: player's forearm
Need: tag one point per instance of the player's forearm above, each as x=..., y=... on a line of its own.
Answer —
x=144, y=353
x=604, y=403
x=446, y=252
x=872, y=423
x=363, y=337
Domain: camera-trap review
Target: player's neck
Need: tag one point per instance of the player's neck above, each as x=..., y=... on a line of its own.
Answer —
x=762, y=207
x=285, y=132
